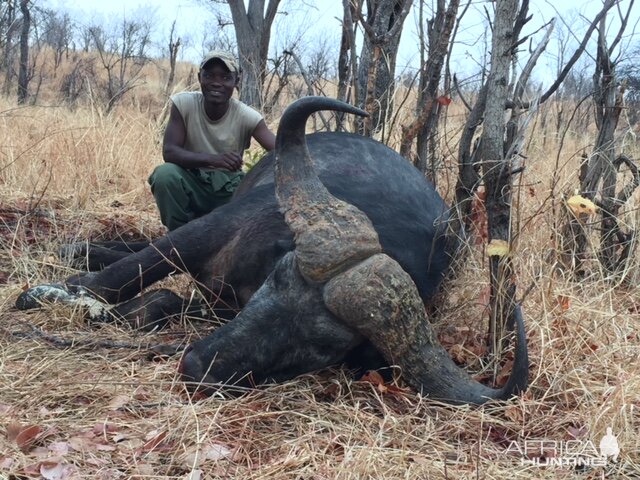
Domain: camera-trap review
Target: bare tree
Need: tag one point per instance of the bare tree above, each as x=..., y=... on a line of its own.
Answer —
x=122, y=55
x=278, y=79
x=174, y=47
x=600, y=170
x=75, y=83
x=253, y=33
x=309, y=80
x=496, y=166
x=347, y=61
x=498, y=150
x=23, y=74
x=376, y=72
x=9, y=26
x=57, y=33
x=439, y=30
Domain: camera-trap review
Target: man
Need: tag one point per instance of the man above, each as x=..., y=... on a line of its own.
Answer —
x=207, y=133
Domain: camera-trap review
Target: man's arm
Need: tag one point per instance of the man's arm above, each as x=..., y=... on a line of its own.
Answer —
x=173, y=151
x=264, y=136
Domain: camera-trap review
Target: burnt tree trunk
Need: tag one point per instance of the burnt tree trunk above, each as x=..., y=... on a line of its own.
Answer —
x=253, y=33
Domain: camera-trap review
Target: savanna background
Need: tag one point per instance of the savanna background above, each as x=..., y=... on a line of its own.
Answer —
x=82, y=117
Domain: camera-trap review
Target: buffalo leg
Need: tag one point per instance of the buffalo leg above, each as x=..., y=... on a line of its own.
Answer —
x=155, y=309
x=94, y=256
x=148, y=311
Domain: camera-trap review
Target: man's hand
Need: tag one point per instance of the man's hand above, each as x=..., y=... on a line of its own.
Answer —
x=229, y=161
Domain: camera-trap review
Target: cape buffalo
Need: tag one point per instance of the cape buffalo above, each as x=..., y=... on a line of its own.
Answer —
x=330, y=249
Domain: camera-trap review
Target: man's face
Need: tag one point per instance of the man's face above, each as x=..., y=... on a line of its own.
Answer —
x=217, y=82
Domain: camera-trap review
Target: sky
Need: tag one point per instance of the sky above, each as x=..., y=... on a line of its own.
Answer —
x=315, y=20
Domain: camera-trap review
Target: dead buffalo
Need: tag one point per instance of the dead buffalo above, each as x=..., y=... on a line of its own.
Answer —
x=337, y=256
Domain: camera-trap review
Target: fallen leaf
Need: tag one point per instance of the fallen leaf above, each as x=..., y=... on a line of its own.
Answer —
x=564, y=302
x=145, y=470
x=13, y=429
x=372, y=377
x=60, y=448
x=103, y=428
x=119, y=437
x=499, y=435
x=27, y=436
x=40, y=452
x=154, y=442
x=103, y=447
x=513, y=413
x=216, y=451
x=32, y=470
x=194, y=475
x=81, y=444
x=458, y=354
x=332, y=391
x=577, y=433
x=505, y=372
x=52, y=470
x=118, y=402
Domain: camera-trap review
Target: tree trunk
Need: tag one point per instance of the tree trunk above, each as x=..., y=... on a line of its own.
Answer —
x=599, y=174
x=23, y=71
x=439, y=36
x=347, y=61
x=9, y=46
x=253, y=33
x=376, y=72
x=496, y=168
x=174, y=47
x=602, y=167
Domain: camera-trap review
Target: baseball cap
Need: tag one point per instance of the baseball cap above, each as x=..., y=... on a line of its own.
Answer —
x=224, y=57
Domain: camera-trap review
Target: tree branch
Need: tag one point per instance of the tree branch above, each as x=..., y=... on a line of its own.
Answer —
x=574, y=58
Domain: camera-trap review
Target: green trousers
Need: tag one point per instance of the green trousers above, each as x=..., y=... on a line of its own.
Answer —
x=182, y=194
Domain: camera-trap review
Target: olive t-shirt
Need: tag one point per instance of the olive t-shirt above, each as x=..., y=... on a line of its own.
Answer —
x=231, y=133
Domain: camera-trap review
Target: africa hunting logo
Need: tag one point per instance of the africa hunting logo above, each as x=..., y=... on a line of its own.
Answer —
x=566, y=453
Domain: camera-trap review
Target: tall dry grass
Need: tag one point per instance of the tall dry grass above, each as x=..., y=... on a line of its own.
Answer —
x=85, y=401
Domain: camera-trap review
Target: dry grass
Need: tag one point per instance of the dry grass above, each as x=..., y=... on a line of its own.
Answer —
x=101, y=412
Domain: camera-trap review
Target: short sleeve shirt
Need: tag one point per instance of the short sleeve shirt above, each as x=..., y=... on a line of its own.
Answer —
x=231, y=133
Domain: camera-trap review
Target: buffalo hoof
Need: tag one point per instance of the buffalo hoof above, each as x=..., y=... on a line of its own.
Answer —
x=72, y=296
x=48, y=293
